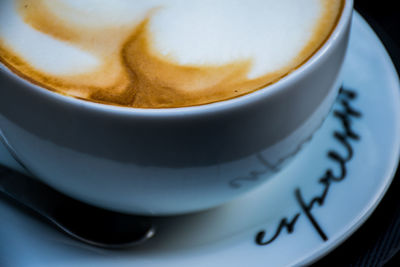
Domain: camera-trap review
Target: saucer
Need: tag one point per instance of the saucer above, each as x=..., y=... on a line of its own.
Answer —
x=295, y=218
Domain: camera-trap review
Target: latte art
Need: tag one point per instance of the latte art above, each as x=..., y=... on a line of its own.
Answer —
x=161, y=53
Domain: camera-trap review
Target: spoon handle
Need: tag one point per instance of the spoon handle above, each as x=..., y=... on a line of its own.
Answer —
x=92, y=225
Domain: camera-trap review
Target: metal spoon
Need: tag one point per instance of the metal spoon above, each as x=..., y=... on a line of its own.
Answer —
x=92, y=225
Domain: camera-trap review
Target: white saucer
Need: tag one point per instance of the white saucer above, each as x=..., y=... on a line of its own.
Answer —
x=227, y=236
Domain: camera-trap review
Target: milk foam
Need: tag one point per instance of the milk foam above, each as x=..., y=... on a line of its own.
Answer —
x=218, y=32
x=180, y=52
x=40, y=50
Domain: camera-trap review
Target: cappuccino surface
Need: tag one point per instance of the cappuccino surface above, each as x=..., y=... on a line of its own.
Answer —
x=161, y=53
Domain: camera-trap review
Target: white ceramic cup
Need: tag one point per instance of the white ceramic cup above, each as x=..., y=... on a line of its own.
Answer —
x=169, y=161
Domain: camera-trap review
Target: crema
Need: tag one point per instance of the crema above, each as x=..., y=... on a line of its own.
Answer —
x=161, y=53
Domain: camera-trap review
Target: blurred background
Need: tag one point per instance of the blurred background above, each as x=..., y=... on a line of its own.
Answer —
x=384, y=17
x=377, y=242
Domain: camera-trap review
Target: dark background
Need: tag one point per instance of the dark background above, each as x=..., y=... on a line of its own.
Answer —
x=377, y=242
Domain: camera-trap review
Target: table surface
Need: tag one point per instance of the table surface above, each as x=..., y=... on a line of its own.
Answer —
x=377, y=242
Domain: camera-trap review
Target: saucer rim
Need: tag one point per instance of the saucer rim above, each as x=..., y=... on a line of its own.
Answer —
x=389, y=173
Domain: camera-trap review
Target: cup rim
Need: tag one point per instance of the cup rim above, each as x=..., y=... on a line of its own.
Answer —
x=209, y=108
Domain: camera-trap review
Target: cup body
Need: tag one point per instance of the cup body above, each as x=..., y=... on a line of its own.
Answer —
x=169, y=161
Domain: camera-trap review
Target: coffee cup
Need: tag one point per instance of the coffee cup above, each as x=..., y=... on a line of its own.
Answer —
x=169, y=160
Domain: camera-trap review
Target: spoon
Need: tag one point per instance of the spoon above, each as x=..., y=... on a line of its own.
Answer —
x=92, y=225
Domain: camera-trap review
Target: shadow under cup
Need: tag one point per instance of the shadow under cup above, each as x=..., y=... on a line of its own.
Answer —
x=169, y=161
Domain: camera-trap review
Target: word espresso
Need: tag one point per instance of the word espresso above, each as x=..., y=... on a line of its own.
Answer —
x=345, y=138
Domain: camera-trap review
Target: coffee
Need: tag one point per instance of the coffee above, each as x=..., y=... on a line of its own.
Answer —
x=161, y=53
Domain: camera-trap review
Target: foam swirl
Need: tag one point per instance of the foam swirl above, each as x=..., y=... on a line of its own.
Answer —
x=161, y=53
